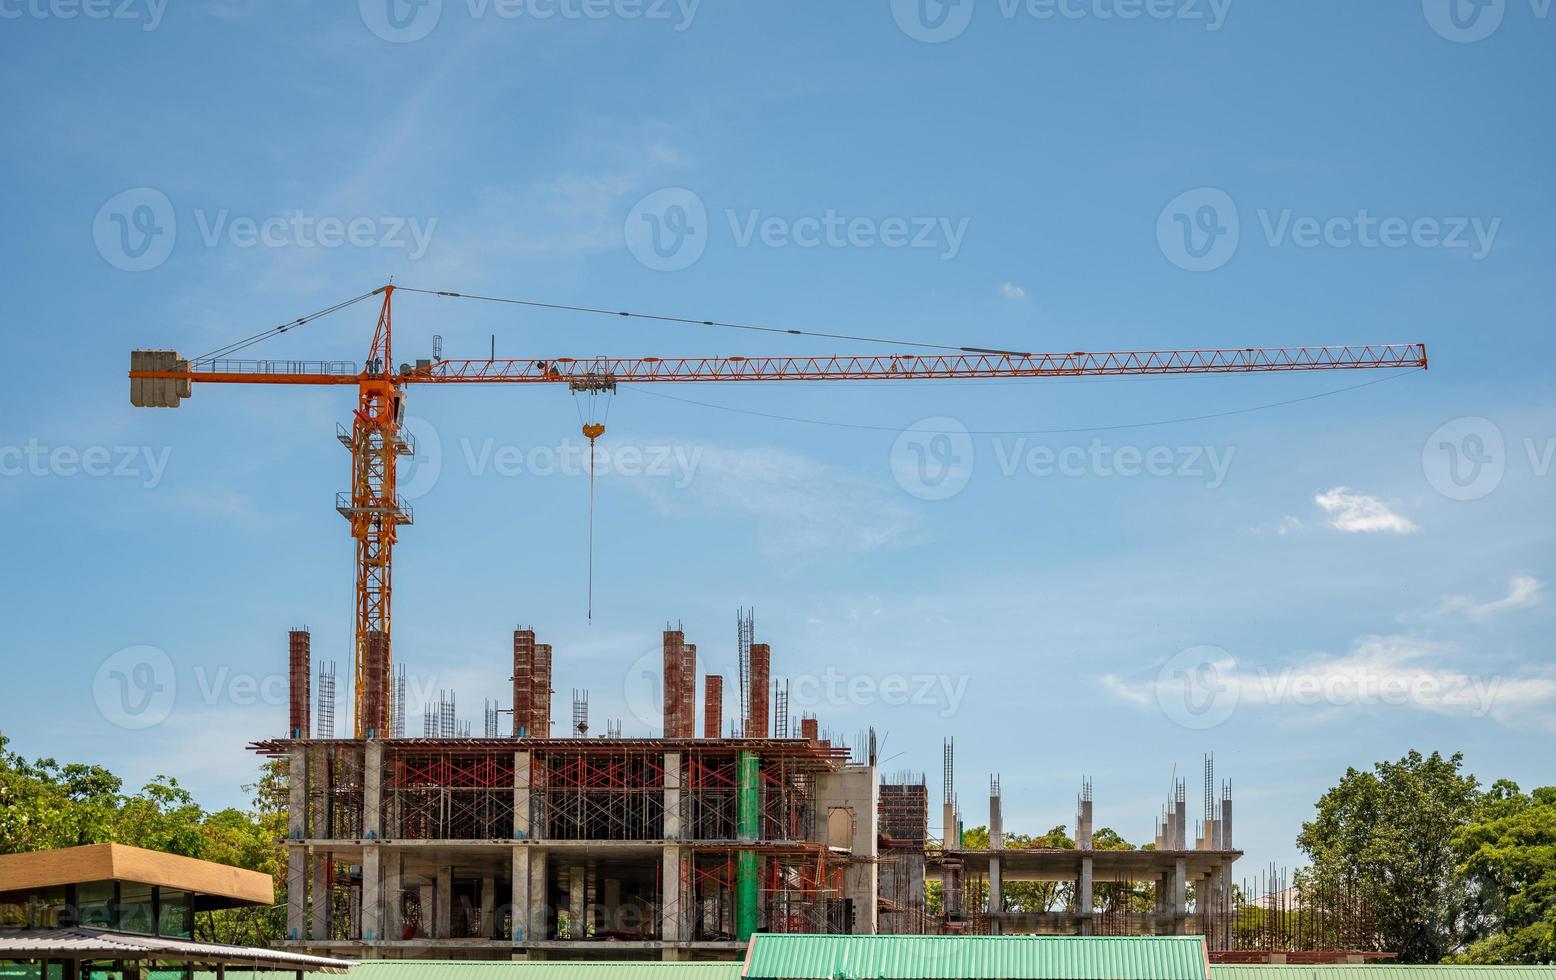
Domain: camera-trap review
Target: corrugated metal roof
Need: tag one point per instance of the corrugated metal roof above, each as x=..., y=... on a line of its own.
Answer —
x=80, y=941
x=800, y=957
x=1380, y=971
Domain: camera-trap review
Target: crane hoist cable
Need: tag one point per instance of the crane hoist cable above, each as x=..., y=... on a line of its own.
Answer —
x=597, y=389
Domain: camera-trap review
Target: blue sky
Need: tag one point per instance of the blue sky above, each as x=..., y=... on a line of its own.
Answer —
x=1311, y=576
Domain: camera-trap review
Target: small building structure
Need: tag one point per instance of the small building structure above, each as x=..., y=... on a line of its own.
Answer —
x=111, y=911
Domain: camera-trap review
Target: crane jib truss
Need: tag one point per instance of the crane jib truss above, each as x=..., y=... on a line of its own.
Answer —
x=376, y=512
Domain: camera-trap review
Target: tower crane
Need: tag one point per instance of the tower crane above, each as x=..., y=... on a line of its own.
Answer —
x=377, y=438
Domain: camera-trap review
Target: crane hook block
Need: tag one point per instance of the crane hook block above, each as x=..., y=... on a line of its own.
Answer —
x=593, y=430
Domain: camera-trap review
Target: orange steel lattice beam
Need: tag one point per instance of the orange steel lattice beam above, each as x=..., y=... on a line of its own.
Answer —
x=866, y=367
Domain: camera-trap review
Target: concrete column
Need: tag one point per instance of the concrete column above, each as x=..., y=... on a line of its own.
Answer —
x=392, y=883
x=373, y=790
x=672, y=796
x=489, y=908
x=443, y=903
x=522, y=829
x=1180, y=882
x=296, y=794
x=996, y=894
x=539, y=896
x=1083, y=895
x=672, y=912
x=296, y=890
x=1226, y=825
x=372, y=898
x=521, y=894
x=320, y=919
x=575, y=901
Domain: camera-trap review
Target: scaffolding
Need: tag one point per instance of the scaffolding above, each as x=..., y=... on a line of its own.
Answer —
x=448, y=794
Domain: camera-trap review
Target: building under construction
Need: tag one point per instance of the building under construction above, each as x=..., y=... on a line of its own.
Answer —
x=529, y=843
x=536, y=846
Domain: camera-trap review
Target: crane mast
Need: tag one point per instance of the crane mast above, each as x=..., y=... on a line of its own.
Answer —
x=376, y=511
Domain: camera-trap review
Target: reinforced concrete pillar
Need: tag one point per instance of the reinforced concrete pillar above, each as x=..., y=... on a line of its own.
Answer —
x=392, y=885
x=672, y=913
x=296, y=890
x=1083, y=895
x=443, y=903
x=521, y=894
x=996, y=894
x=539, y=896
x=320, y=924
x=372, y=898
x=488, y=928
x=575, y=901
x=373, y=790
x=1180, y=881
x=522, y=827
x=672, y=796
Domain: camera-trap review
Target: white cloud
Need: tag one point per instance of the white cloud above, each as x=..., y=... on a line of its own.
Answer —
x=1522, y=591
x=1397, y=670
x=1357, y=513
x=1012, y=291
x=1286, y=526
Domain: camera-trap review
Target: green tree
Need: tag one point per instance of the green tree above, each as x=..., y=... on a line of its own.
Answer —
x=1509, y=862
x=1390, y=834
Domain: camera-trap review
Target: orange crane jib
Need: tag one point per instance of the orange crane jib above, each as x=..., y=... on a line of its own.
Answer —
x=161, y=379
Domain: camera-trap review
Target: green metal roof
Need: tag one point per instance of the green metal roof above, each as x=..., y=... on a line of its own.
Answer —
x=1380, y=971
x=800, y=957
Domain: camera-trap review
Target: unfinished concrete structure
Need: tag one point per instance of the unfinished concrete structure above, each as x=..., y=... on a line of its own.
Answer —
x=1181, y=886
x=530, y=846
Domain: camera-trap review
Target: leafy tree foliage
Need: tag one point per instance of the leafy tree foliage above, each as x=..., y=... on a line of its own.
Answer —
x=1389, y=832
x=1509, y=863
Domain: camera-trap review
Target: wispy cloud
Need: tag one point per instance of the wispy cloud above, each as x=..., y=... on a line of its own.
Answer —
x=1523, y=591
x=1012, y=291
x=1391, y=670
x=1358, y=513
